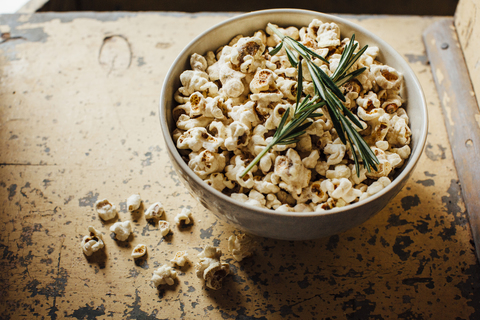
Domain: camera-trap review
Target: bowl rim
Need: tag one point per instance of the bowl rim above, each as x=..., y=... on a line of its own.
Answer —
x=407, y=169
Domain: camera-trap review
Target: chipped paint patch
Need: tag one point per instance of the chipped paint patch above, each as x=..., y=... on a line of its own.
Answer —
x=440, y=76
x=447, y=108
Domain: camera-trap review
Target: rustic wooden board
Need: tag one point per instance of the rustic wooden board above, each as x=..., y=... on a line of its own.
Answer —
x=79, y=122
x=467, y=24
x=460, y=109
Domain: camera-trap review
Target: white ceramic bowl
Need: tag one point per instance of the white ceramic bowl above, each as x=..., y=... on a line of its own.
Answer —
x=291, y=225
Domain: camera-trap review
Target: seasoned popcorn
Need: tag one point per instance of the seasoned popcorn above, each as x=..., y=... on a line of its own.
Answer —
x=241, y=246
x=139, y=251
x=155, y=212
x=105, y=209
x=133, y=202
x=232, y=100
x=184, y=217
x=210, y=269
x=180, y=258
x=164, y=227
x=122, y=230
x=164, y=275
x=93, y=242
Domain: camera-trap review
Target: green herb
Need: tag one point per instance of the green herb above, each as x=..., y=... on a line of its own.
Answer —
x=327, y=93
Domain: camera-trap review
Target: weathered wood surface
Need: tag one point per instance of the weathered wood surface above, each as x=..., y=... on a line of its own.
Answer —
x=460, y=109
x=467, y=24
x=79, y=122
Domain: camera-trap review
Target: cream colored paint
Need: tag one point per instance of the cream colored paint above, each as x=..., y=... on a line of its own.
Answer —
x=467, y=23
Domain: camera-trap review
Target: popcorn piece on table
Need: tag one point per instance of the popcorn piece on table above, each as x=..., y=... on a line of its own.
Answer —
x=122, y=230
x=105, y=209
x=164, y=275
x=164, y=227
x=210, y=268
x=133, y=202
x=241, y=246
x=184, y=217
x=155, y=212
x=93, y=242
x=139, y=251
x=180, y=258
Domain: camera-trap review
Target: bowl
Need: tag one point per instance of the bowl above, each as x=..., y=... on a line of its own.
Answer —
x=290, y=225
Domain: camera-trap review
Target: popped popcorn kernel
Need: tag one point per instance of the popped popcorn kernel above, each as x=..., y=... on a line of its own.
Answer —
x=164, y=275
x=92, y=242
x=164, y=227
x=139, y=251
x=210, y=269
x=122, y=230
x=105, y=209
x=133, y=202
x=184, y=217
x=241, y=246
x=155, y=212
x=181, y=257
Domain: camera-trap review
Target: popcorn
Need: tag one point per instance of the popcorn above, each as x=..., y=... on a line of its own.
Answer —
x=310, y=162
x=93, y=242
x=233, y=172
x=155, y=212
x=292, y=172
x=336, y=151
x=184, y=217
x=254, y=198
x=264, y=80
x=198, y=138
x=105, y=209
x=180, y=258
x=164, y=227
x=139, y=251
x=241, y=246
x=328, y=35
x=122, y=230
x=340, y=171
x=133, y=202
x=206, y=162
x=233, y=100
x=375, y=187
x=164, y=275
x=386, y=77
x=399, y=133
x=210, y=268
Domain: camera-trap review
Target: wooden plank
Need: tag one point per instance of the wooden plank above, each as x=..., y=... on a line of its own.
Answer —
x=461, y=113
x=467, y=23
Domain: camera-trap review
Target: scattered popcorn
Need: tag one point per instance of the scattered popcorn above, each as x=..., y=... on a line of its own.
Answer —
x=155, y=212
x=105, y=209
x=233, y=99
x=164, y=275
x=133, y=202
x=241, y=246
x=184, y=217
x=164, y=227
x=93, y=242
x=139, y=251
x=210, y=269
x=122, y=230
x=180, y=258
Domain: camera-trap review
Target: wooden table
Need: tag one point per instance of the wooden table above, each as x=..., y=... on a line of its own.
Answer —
x=79, y=122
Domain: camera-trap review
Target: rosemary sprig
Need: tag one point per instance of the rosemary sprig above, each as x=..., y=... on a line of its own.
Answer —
x=327, y=90
x=288, y=133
